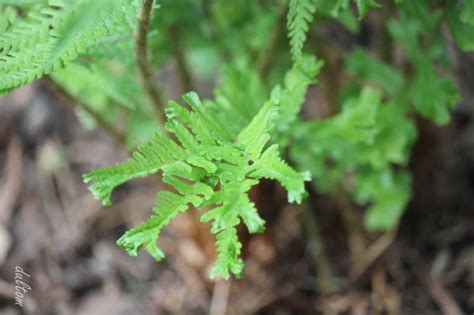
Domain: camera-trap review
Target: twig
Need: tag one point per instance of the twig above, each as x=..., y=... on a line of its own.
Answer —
x=70, y=100
x=183, y=69
x=379, y=288
x=220, y=297
x=355, y=235
x=372, y=254
x=143, y=63
x=438, y=293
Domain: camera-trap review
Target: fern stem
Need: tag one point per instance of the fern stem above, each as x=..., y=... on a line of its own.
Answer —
x=66, y=98
x=143, y=63
x=355, y=235
x=183, y=69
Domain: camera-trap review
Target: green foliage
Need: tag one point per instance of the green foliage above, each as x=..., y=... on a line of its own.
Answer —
x=300, y=16
x=467, y=12
x=208, y=166
x=364, y=5
x=461, y=22
x=337, y=139
x=211, y=152
x=432, y=93
x=54, y=34
x=360, y=63
x=387, y=191
x=110, y=87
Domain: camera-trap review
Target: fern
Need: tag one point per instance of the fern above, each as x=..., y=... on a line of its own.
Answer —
x=296, y=84
x=300, y=15
x=55, y=34
x=212, y=152
x=361, y=64
x=432, y=94
x=460, y=17
x=207, y=166
x=467, y=13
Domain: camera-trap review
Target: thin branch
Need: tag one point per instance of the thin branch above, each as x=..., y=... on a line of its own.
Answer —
x=220, y=297
x=440, y=295
x=143, y=63
x=372, y=253
x=355, y=234
x=183, y=69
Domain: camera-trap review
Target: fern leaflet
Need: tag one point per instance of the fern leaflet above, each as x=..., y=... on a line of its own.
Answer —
x=300, y=15
x=55, y=34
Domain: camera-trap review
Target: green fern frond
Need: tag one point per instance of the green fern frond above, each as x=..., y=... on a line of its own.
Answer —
x=300, y=16
x=228, y=249
x=356, y=122
x=467, y=13
x=169, y=206
x=338, y=139
x=207, y=165
x=296, y=83
x=55, y=34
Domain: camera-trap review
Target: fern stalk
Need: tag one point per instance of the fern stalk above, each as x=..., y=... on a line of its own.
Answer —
x=143, y=63
x=182, y=66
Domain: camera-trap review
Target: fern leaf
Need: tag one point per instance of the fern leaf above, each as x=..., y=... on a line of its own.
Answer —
x=54, y=35
x=228, y=249
x=296, y=83
x=208, y=166
x=467, y=13
x=356, y=122
x=271, y=166
x=169, y=205
x=255, y=136
x=433, y=95
x=387, y=192
x=148, y=159
x=300, y=16
x=359, y=62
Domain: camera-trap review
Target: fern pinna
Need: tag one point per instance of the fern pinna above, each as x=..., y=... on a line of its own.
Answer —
x=301, y=15
x=55, y=33
x=208, y=166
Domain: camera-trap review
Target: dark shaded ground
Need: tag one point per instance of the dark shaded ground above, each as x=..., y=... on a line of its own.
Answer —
x=52, y=228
